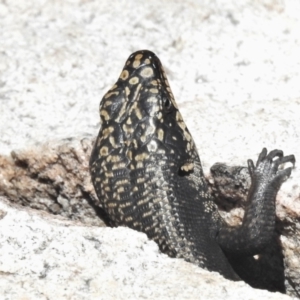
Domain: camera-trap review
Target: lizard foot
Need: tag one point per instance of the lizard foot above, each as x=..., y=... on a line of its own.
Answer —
x=267, y=165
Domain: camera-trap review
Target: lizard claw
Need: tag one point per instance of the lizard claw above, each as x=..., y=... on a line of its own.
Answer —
x=267, y=167
x=251, y=167
x=262, y=156
x=275, y=153
x=283, y=175
x=282, y=160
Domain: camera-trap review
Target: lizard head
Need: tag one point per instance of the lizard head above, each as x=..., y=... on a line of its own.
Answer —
x=139, y=113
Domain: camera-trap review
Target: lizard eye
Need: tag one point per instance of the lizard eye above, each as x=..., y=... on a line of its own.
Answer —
x=167, y=104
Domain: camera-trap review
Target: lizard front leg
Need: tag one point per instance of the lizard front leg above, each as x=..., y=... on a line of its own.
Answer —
x=258, y=223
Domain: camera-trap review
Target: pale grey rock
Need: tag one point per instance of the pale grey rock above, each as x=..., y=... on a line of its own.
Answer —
x=54, y=177
x=47, y=257
x=233, y=67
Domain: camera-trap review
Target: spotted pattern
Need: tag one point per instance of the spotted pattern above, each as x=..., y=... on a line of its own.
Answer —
x=145, y=158
x=147, y=173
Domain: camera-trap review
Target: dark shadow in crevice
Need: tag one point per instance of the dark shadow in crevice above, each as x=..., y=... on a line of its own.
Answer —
x=100, y=212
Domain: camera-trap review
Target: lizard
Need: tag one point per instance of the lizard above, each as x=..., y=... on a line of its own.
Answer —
x=147, y=175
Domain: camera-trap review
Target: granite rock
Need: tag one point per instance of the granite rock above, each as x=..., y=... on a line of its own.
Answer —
x=56, y=175
x=53, y=177
x=48, y=257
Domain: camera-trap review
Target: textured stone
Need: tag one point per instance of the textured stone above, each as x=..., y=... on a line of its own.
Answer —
x=53, y=177
x=47, y=257
x=56, y=176
x=229, y=185
x=233, y=67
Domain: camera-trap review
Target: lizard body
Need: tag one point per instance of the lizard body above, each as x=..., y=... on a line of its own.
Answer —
x=148, y=176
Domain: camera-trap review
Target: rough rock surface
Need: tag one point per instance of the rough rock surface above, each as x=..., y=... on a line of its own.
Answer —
x=46, y=257
x=230, y=185
x=233, y=67
x=55, y=175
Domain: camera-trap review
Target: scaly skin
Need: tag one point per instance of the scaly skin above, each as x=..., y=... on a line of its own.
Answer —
x=147, y=174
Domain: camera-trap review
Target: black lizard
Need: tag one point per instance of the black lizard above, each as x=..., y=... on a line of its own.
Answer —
x=147, y=174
